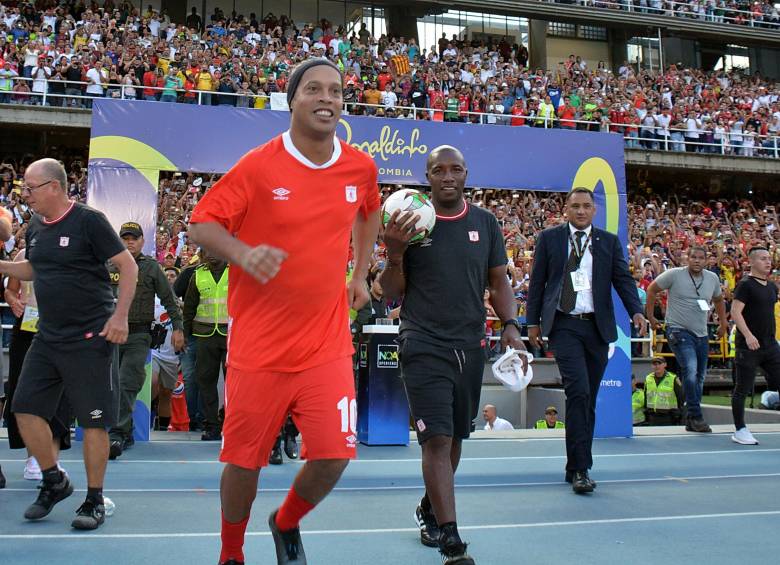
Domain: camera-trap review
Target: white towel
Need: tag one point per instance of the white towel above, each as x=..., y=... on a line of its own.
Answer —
x=508, y=370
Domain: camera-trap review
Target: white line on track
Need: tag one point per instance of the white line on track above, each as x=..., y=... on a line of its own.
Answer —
x=420, y=487
x=477, y=441
x=745, y=451
x=157, y=535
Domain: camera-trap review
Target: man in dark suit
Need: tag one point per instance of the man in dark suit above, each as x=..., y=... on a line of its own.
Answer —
x=570, y=301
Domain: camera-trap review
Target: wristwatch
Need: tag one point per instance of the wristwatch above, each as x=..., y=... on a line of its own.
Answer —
x=511, y=322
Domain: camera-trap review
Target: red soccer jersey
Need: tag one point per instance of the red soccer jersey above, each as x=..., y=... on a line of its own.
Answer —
x=276, y=196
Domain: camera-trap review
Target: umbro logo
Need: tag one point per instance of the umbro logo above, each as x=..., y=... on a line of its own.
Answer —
x=351, y=440
x=96, y=414
x=281, y=193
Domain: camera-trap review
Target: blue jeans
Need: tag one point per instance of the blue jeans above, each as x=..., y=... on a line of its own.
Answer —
x=691, y=353
x=191, y=390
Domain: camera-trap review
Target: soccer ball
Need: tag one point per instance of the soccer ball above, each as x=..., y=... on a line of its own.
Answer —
x=410, y=200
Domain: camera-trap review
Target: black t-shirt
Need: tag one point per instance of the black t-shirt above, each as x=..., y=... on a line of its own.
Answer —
x=446, y=277
x=72, y=285
x=759, y=311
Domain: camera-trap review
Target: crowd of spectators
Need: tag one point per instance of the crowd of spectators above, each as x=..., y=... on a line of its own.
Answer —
x=756, y=13
x=661, y=227
x=73, y=53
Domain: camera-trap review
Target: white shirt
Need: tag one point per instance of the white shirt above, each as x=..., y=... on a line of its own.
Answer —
x=389, y=99
x=166, y=351
x=98, y=77
x=584, y=302
x=499, y=425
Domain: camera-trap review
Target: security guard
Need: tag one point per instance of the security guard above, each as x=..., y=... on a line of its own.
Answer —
x=206, y=318
x=663, y=395
x=637, y=403
x=550, y=421
x=132, y=355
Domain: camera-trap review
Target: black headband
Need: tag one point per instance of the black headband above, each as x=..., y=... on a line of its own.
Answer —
x=300, y=70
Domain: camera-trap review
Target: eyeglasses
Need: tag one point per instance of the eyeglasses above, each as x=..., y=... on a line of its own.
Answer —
x=30, y=189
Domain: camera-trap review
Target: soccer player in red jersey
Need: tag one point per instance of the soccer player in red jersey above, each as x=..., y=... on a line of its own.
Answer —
x=283, y=217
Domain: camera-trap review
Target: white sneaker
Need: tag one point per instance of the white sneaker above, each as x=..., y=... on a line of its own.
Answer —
x=32, y=471
x=744, y=437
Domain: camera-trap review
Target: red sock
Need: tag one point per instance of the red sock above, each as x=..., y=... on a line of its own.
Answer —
x=233, y=540
x=293, y=509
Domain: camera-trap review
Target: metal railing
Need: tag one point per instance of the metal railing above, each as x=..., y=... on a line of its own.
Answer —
x=46, y=97
x=718, y=347
x=636, y=136
x=712, y=14
x=649, y=339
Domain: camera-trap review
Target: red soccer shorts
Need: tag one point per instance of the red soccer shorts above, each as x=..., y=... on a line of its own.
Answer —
x=321, y=401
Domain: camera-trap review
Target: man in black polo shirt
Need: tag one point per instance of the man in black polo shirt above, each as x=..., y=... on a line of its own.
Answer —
x=756, y=346
x=67, y=247
x=442, y=335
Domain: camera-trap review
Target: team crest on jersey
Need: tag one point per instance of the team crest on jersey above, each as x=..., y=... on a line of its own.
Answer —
x=351, y=193
x=473, y=236
x=281, y=193
x=64, y=241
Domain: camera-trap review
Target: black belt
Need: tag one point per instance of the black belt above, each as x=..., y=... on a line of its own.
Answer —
x=585, y=316
x=139, y=328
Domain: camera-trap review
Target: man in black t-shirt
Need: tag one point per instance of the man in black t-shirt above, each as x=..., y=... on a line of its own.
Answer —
x=442, y=280
x=67, y=247
x=753, y=312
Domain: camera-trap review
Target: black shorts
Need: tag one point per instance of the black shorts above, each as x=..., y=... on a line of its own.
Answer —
x=443, y=387
x=80, y=371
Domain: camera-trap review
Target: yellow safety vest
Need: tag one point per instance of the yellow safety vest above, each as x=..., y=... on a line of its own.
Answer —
x=542, y=425
x=661, y=396
x=212, y=308
x=638, y=406
x=732, y=337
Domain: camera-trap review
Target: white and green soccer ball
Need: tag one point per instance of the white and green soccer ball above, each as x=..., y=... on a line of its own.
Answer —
x=410, y=200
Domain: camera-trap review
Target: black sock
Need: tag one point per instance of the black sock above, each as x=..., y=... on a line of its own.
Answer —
x=448, y=532
x=52, y=475
x=95, y=494
x=163, y=422
x=425, y=503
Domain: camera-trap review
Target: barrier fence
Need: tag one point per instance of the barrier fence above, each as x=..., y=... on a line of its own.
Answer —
x=636, y=136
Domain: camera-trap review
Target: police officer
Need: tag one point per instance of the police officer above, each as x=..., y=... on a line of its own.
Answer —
x=132, y=355
x=206, y=319
x=663, y=395
x=638, y=417
x=550, y=421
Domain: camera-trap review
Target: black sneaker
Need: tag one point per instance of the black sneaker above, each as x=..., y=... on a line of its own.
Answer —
x=429, y=527
x=276, y=456
x=454, y=553
x=128, y=442
x=698, y=425
x=115, y=449
x=231, y=562
x=289, y=547
x=211, y=434
x=89, y=516
x=50, y=495
x=291, y=447
x=2, y=478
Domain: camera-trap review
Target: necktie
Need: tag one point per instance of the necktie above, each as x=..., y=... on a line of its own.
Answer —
x=568, y=295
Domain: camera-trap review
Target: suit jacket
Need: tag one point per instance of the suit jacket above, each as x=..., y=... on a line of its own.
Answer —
x=609, y=269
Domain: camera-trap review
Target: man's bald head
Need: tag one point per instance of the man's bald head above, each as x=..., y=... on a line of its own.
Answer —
x=444, y=150
x=49, y=169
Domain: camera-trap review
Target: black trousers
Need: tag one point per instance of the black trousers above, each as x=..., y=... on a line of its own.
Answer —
x=210, y=357
x=746, y=362
x=581, y=355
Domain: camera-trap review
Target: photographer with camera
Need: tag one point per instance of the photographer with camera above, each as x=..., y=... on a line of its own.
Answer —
x=132, y=354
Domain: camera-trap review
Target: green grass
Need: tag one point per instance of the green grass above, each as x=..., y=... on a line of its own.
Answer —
x=721, y=400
